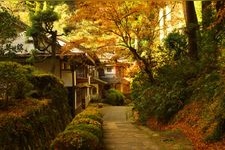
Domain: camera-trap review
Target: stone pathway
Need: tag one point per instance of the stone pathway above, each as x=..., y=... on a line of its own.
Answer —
x=121, y=134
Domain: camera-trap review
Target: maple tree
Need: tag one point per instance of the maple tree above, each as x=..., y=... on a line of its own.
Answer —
x=129, y=26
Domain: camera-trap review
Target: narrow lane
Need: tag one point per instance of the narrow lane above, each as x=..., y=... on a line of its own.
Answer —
x=121, y=134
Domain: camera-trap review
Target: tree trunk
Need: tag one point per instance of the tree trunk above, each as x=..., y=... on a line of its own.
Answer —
x=53, y=54
x=143, y=65
x=192, y=28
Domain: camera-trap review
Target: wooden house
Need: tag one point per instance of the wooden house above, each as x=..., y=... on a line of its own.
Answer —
x=113, y=72
x=114, y=75
x=76, y=68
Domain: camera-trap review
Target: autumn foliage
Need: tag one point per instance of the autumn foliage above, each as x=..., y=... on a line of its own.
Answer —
x=126, y=28
x=189, y=121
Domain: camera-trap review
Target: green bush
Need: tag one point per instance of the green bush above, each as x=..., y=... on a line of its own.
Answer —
x=178, y=83
x=14, y=83
x=83, y=133
x=20, y=125
x=176, y=43
x=45, y=83
x=91, y=111
x=95, y=117
x=87, y=127
x=75, y=139
x=86, y=121
x=170, y=92
x=114, y=97
x=209, y=88
x=48, y=86
x=30, y=116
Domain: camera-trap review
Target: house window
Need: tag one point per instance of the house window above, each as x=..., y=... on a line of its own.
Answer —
x=94, y=90
x=65, y=66
x=109, y=69
x=82, y=72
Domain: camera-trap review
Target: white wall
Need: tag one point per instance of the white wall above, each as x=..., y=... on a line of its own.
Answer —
x=109, y=74
x=26, y=46
x=46, y=66
x=67, y=78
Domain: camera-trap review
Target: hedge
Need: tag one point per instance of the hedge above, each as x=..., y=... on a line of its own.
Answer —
x=34, y=111
x=114, y=97
x=83, y=133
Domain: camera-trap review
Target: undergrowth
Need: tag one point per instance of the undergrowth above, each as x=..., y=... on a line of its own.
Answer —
x=180, y=83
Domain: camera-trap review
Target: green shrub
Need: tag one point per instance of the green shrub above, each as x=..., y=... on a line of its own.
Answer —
x=87, y=127
x=114, y=97
x=207, y=86
x=90, y=116
x=30, y=116
x=75, y=139
x=176, y=44
x=212, y=94
x=86, y=121
x=170, y=92
x=13, y=82
x=45, y=83
x=49, y=86
x=92, y=111
x=21, y=123
x=83, y=133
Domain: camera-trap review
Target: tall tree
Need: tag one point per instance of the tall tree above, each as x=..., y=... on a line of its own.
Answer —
x=192, y=29
x=129, y=25
x=43, y=18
